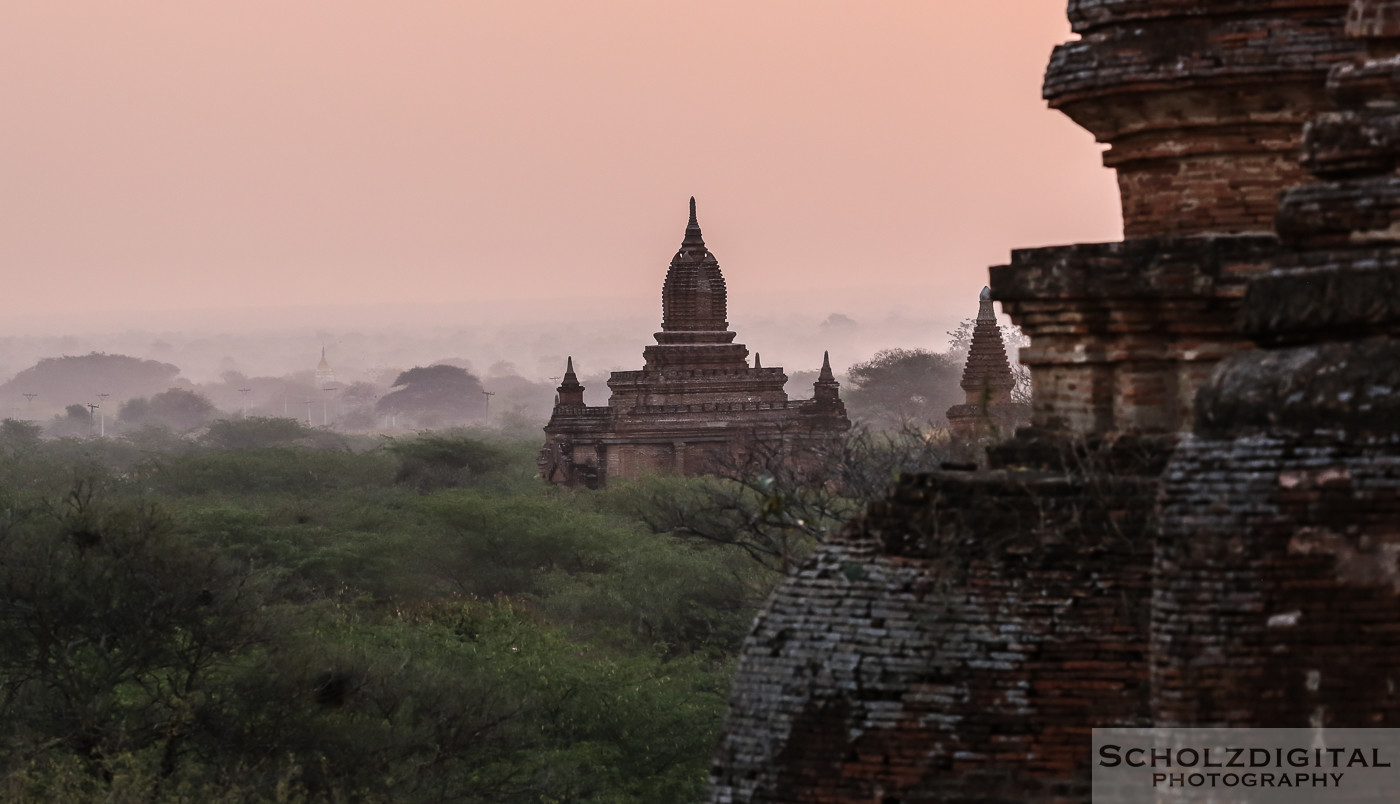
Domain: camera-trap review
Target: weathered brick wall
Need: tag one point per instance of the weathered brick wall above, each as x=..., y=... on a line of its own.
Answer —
x=1276, y=583
x=955, y=644
x=1123, y=334
x=1278, y=571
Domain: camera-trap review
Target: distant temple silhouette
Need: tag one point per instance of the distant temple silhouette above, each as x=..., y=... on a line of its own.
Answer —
x=988, y=412
x=696, y=404
x=325, y=375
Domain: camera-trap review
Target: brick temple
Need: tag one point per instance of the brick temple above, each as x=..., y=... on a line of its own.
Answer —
x=1200, y=525
x=696, y=405
x=988, y=412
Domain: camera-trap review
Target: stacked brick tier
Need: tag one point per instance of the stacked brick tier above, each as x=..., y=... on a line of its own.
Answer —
x=955, y=644
x=1202, y=103
x=1123, y=334
x=1278, y=600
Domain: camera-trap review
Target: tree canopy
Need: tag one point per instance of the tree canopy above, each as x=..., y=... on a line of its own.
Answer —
x=899, y=386
x=434, y=396
x=176, y=408
x=76, y=379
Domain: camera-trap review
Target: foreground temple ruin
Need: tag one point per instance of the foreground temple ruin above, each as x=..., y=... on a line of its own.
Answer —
x=1202, y=524
x=696, y=403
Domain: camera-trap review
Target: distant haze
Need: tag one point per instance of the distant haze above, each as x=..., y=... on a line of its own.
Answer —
x=338, y=166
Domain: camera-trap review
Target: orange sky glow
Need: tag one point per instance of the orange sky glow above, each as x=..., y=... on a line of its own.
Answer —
x=261, y=154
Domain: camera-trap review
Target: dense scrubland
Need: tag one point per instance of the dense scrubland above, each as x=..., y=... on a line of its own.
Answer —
x=201, y=605
x=270, y=612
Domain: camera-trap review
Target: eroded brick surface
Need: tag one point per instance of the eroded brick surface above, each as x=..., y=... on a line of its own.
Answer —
x=1278, y=572
x=952, y=645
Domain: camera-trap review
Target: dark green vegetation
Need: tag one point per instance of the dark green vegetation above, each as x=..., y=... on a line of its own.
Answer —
x=274, y=613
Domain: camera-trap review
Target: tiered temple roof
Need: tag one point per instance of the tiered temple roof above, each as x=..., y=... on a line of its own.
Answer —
x=695, y=402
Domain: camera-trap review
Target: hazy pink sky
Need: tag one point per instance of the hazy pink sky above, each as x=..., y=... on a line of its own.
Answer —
x=257, y=153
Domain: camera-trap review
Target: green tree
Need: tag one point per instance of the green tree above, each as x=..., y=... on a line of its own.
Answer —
x=256, y=432
x=176, y=408
x=76, y=378
x=112, y=631
x=901, y=386
x=435, y=396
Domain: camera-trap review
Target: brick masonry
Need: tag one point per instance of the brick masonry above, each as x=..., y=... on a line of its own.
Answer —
x=944, y=649
x=1142, y=554
x=1278, y=567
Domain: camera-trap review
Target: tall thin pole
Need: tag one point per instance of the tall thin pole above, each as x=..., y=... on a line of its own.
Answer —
x=103, y=414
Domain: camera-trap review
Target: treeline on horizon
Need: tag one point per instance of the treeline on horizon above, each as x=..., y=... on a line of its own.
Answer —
x=101, y=394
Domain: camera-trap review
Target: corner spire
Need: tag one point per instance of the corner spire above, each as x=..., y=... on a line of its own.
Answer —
x=570, y=392
x=827, y=391
x=757, y=363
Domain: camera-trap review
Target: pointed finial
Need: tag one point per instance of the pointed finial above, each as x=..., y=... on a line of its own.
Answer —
x=692, y=229
x=826, y=375
x=984, y=305
x=569, y=369
x=757, y=363
x=569, y=377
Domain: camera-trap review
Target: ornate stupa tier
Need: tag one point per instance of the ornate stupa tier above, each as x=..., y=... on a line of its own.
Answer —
x=1201, y=102
x=694, y=298
x=694, y=305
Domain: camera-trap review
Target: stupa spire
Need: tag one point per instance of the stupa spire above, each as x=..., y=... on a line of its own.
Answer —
x=984, y=306
x=693, y=297
x=826, y=390
x=987, y=377
x=693, y=237
x=570, y=392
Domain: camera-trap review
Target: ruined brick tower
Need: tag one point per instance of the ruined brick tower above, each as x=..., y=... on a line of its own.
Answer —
x=1278, y=587
x=987, y=413
x=1202, y=104
x=695, y=403
x=958, y=641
